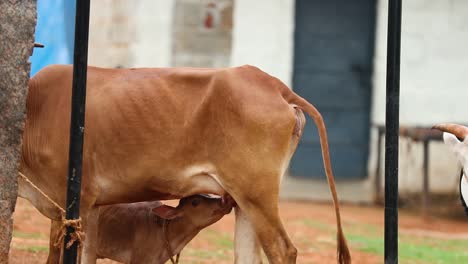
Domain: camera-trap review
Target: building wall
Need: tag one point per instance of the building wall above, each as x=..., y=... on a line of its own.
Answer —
x=153, y=42
x=434, y=77
x=111, y=33
x=434, y=69
x=434, y=61
x=202, y=33
x=134, y=33
x=263, y=36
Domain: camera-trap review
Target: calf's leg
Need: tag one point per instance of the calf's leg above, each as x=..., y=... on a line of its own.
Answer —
x=54, y=252
x=90, y=226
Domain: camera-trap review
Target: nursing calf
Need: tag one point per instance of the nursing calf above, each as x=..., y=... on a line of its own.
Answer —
x=151, y=232
x=168, y=133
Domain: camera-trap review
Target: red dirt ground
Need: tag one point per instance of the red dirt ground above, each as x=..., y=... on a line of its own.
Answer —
x=310, y=225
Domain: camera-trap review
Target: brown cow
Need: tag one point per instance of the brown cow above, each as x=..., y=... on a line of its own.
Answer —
x=134, y=233
x=166, y=133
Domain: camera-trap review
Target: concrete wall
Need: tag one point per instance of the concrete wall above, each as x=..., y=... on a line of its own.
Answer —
x=153, y=41
x=263, y=36
x=134, y=33
x=434, y=69
x=140, y=33
x=434, y=80
x=202, y=33
x=434, y=62
x=112, y=31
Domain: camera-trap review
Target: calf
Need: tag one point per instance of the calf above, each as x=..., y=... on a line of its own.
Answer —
x=151, y=232
x=456, y=138
x=167, y=133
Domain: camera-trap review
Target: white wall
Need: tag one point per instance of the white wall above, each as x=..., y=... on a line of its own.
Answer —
x=434, y=62
x=434, y=65
x=153, y=43
x=134, y=33
x=111, y=32
x=263, y=36
x=434, y=82
x=139, y=34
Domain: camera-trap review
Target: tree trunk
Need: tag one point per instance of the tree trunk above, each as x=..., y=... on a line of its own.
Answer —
x=17, y=25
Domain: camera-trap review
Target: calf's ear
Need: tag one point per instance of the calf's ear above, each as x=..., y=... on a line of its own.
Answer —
x=167, y=212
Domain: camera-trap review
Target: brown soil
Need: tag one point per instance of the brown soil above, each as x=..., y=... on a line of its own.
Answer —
x=310, y=226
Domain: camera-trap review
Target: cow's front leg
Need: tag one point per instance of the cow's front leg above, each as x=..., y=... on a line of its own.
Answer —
x=89, y=253
x=247, y=247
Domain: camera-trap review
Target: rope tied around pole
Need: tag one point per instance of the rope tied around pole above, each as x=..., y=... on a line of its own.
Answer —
x=77, y=235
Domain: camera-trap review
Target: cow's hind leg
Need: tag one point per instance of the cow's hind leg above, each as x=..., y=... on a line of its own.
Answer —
x=260, y=206
x=247, y=247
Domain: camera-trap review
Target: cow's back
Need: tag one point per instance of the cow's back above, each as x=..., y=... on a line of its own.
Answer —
x=144, y=124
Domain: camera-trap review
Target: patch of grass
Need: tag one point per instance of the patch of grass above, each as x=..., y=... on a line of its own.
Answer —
x=424, y=251
x=224, y=241
x=359, y=228
x=206, y=254
x=315, y=224
x=445, y=244
x=431, y=254
x=221, y=245
x=367, y=244
x=34, y=249
x=305, y=241
x=221, y=240
x=27, y=235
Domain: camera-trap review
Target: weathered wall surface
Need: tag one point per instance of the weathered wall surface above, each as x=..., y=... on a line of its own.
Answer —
x=434, y=83
x=202, y=33
x=17, y=25
x=153, y=41
x=112, y=33
x=434, y=62
x=135, y=33
x=263, y=36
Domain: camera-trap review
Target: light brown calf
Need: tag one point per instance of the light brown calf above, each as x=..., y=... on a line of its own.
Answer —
x=134, y=233
x=165, y=133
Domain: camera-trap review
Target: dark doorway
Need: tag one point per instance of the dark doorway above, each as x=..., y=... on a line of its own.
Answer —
x=333, y=52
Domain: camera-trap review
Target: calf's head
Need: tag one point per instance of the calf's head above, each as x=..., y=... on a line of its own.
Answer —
x=456, y=138
x=198, y=210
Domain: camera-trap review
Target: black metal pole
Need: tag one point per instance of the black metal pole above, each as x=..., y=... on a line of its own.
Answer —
x=392, y=130
x=378, y=180
x=425, y=200
x=80, y=64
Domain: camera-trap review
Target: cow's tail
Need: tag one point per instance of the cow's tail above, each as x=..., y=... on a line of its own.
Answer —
x=344, y=256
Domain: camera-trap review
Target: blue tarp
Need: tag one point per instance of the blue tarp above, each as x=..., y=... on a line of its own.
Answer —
x=55, y=29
